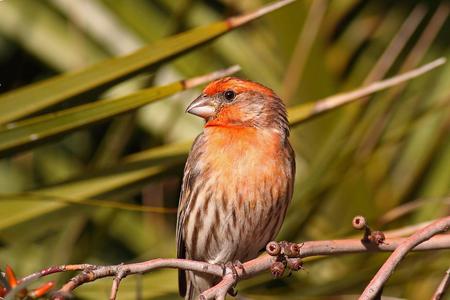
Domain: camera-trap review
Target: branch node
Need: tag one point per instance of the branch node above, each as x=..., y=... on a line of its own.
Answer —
x=377, y=237
x=273, y=248
x=370, y=236
x=359, y=223
x=292, y=250
x=295, y=264
x=120, y=274
x=278, y=268
x=232, y=267
x=287, y=255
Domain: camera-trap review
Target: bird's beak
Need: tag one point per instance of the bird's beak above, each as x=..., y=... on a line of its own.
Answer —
x=203, y=107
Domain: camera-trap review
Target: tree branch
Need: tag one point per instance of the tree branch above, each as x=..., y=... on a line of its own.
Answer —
x=423, y=240
x=250, y=268
x=442, y=288
x=400, y=252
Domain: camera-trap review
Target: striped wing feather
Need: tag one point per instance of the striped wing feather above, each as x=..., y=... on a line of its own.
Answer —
x=185, y=198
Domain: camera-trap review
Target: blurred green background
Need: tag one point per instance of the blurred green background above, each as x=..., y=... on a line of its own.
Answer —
x=105, y=192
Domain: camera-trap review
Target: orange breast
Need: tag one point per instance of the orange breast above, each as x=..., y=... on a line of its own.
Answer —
x=244, y=157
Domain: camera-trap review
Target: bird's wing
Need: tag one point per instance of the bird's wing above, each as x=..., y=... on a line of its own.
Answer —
x=291, y=158
x=183, y=210
x=181, y=247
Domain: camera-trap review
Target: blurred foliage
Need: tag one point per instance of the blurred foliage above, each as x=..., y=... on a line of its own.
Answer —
x=75, y=195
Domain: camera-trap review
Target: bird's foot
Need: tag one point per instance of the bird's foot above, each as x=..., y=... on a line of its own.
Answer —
x=233, y=266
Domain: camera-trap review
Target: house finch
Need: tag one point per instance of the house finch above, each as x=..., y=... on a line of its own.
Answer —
x=238, y=178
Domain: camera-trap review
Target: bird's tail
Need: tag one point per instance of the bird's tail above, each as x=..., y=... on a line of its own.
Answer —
x=190, y=292
x=196, y=284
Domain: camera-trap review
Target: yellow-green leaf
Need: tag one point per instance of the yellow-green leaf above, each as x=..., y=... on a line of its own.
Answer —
x=143, y=167
x=31, y=131
x=21, y=102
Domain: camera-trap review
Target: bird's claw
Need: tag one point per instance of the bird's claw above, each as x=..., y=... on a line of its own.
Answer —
x=232, y=292
x=233, y=266
x=237, y=265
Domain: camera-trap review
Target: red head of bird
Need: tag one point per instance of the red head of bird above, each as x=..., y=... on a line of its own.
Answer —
x=234, y=102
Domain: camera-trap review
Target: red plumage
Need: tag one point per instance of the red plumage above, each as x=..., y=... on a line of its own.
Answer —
x=238, y=178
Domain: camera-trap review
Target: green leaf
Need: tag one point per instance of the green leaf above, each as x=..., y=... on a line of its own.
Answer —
x=24, y=101
x=31, y=131
x=141, y=167
x=21, y=102
x=34, y=130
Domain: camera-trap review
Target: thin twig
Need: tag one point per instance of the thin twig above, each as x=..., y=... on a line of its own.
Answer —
x=415, y=55
x=427, y=37
x=321, y=106
x=115, y=286
x=220, y=290
x=407, y=230
x=25, y=281
x=195, y=81
x=397, y=44
x=142, y=267
x=377, y=86
x=442, y=288
x=387, y=269
x=242, y=19
x=411, y=206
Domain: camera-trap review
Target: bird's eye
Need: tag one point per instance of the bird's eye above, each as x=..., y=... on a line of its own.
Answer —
x=229, y=95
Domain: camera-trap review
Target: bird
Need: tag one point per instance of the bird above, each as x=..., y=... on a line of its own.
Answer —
x=238, y=178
